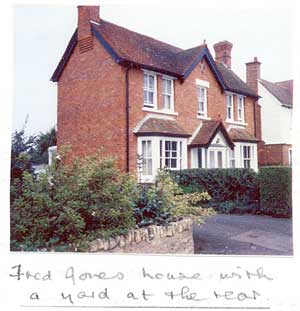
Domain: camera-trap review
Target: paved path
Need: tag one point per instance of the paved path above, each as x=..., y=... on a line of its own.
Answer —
x=244, y=235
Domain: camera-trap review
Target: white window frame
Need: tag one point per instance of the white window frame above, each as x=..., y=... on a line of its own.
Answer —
x=240, y=108
x=204, y=85
x=170, y=95
x=231, y=118
x=250, y=157
x=147, y=158
x=232, y=158
x=195, y=157
x=147, y=89
x=156, y=158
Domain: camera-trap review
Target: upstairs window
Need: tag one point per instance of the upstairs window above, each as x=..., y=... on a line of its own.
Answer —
x=229, y=107
x=149, y=90
x=202, y=101
x=240, y=109
x=167, y=91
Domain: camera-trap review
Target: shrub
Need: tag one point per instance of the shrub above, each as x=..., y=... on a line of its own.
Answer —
x=156, y=201
x=276, y=190
x=235, y=185
x=68, y=205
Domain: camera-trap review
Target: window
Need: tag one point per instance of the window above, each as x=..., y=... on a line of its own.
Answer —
x=146, y=157
x=240, y=108
x=149, y=90
x=202, y=101
x=246, y=156
x=167, y=91
x=231, y=158
x=290, y=156
x=229, y=106
x=171, y=154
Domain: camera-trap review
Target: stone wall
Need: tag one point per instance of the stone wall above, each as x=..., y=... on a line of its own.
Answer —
x=176, y=238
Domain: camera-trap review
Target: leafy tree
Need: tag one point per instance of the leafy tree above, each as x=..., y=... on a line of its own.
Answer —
x=42, y=143
x=21, y=149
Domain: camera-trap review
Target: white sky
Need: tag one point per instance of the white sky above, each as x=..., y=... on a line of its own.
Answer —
x=42, y=33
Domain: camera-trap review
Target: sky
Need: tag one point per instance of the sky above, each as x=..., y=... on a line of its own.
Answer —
x=42, y=33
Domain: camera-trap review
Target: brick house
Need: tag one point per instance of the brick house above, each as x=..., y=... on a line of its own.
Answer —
x=276, y=114
x=141, y=99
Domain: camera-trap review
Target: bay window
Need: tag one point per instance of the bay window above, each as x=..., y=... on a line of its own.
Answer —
x=147, y=157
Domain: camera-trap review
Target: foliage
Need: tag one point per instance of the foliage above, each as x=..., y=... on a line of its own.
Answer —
x=21, y=150
x=164, y=202
x=42, y=143
x=156, y=201
x=237, y=185
x=69, y=204
x=276, y=190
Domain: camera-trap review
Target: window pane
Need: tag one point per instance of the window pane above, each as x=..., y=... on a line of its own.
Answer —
x=199, y=156
x=173, y=163
x=174, y=154
x=151, y=82
x=146, y=81
x=167, y=101
x=167, y=154
x=174, y=145
x=150, y=167
x=145, y=97
x=150, y=98
x=212, y=159
x=167, y=162
x=167, y=145
x=149, y=151
x=143, y=148
x=220, y=159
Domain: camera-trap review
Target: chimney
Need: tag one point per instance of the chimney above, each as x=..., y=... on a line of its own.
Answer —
x=253, y=74
x=223, y=52
x=86, y=14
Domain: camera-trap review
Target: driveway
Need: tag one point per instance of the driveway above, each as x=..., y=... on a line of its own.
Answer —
x=244, y=235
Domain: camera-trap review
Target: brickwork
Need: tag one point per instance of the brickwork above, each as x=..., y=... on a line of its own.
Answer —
x=274, y=154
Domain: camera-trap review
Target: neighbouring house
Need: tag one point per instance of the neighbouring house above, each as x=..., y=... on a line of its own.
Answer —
x=153, y=105
x=276, y=116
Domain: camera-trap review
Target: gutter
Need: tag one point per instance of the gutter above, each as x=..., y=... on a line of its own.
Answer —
x=127, y=117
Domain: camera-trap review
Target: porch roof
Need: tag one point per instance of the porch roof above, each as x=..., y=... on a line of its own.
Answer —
x=208, y=131
x=238, y=134
x=161, y=127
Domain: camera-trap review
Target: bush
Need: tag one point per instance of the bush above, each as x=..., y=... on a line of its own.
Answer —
x=69, y=205
x=234, y=185
x=156, y=201
x=276, y=190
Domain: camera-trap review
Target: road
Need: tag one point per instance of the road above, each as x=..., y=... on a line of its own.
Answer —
x=244, y=235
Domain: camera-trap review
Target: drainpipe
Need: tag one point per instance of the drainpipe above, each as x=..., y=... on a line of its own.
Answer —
x=127, y=117
x=254, y=114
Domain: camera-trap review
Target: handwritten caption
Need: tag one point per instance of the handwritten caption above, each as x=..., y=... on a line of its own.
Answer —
x=237, y=286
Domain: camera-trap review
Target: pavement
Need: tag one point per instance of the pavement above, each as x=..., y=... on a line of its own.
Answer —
x=244, y=235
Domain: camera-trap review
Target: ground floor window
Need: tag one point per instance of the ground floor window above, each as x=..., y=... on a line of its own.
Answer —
x=247, y=155
x=155, y=152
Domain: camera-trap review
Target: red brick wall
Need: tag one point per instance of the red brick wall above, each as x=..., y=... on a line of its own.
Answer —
x=274, y=154
x=91, y=104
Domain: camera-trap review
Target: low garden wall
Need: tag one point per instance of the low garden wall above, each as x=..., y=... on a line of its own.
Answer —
x=177, y=237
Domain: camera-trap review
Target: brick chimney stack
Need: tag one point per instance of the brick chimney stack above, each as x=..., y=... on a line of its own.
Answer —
x=86, y=14
x=253, y=74
x=223, y=52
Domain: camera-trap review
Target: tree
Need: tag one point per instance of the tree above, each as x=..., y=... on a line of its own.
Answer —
x=42, y=143
x=21, y=149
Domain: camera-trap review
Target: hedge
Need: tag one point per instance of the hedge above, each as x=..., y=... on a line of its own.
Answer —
x=276, y=190
x=236, y=185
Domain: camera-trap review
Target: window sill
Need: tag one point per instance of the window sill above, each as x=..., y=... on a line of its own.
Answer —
x=203, y=118
x=236, y=122
x=160, y=111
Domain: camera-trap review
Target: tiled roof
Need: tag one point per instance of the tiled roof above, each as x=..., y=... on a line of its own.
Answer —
x=238, y=134
x=233, y=82
x=283, y=91
x=208, y=131
x=130, y=48
x=161, y=127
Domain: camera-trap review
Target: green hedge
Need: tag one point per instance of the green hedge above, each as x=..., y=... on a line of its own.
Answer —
x=235, y=185
x=276, y=190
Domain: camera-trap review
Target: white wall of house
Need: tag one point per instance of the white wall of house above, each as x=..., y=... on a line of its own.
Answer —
x=276, y=119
